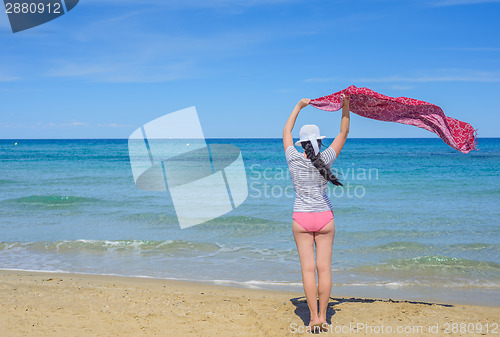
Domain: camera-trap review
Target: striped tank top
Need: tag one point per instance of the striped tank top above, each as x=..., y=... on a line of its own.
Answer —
x=310, y=186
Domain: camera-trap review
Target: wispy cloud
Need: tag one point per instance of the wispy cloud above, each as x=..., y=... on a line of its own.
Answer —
x=123, y=48
x=129, y=46
x=422, y=79
x=443, y=75
x=65, y=125
x=322, y=79
x=460, y=2
x=122, y=72
x=4, y=20
x=401, y=87
x=284, y=90
x=6, y=77
x=196, y=3
x=57, y=125
x=41, y=125
x=471, y=49
x=139, y=56
x=11, y=125
x=115, y=125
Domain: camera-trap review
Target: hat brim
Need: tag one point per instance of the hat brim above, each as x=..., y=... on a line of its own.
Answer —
x=299, y=142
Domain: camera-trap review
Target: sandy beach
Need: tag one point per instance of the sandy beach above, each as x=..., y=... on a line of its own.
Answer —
x=60, y=304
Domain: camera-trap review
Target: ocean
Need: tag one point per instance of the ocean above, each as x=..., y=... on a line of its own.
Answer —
x=415, y=219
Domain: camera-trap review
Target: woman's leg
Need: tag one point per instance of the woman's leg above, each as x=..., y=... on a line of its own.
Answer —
x=305, y=247
x=324, y=245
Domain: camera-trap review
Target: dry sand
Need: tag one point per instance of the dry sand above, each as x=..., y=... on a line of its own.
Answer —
x=70, y=305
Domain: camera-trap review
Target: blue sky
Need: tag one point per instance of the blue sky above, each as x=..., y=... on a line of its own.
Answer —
x=109, y=66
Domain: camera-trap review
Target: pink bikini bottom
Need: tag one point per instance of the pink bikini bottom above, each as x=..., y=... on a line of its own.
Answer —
x=313, y=221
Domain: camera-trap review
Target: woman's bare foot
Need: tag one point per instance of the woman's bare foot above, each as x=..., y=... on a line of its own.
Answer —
x=316, y=324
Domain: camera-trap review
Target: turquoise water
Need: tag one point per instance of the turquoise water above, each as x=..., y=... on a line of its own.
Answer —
x=413, y=213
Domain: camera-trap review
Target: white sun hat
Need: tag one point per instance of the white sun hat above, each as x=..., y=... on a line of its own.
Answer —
x=310, y=132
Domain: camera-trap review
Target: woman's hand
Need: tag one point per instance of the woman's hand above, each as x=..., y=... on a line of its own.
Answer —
x=339, y=141
x=303, y=103
x=287, y=130
x=345, y=99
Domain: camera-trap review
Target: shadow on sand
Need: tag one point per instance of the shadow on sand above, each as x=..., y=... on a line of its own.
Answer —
x=302, y=310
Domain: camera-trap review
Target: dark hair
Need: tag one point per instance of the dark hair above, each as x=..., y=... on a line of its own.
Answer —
x=319, y=163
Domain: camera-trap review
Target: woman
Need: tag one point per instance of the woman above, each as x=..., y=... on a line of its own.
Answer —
x=313, y=223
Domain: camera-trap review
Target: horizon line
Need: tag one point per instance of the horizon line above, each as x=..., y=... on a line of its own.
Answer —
x=206, y=138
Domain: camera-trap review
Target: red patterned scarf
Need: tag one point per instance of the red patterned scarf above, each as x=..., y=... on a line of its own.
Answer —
x=368, y=103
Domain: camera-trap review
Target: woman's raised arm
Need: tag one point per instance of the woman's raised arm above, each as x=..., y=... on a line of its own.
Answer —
x=287, y=130
x=339, y=141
